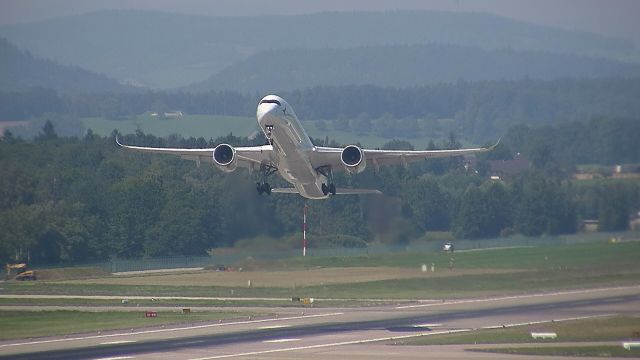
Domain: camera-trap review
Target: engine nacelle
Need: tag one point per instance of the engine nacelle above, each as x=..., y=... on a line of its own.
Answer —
x=224, y=156
x=353, y=159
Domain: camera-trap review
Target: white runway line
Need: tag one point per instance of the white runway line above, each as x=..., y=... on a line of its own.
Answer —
x=331, y=344
x=364, y=341
x=273, y=327
x=169, y=330
x=427, y=325
x=118, y=342
x=116, y=358
x=280, y=340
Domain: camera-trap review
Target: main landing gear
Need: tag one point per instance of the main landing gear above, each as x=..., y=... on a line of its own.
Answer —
x=329, y=188
x=268, y=131
x=262, y=185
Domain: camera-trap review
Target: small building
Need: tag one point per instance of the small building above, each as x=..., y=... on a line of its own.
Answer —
x=590, y=225
x=173, y=114
x=507, y=168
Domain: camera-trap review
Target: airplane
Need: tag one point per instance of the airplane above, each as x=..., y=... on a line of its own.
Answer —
x=291, y=153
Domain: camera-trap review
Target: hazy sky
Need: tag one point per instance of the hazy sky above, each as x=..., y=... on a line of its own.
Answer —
x=608, y=17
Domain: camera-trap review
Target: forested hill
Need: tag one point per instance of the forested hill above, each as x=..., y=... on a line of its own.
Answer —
x=401, y=66
x=165, y=50
x=19, y=70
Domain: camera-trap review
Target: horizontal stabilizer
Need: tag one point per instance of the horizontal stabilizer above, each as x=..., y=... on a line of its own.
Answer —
x=344, y=191
x=284, y=191
x=339, y=191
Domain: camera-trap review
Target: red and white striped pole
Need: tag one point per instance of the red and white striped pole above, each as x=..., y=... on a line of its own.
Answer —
x=304, y=231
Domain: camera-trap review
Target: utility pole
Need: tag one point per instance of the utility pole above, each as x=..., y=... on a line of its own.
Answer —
x=304, y=230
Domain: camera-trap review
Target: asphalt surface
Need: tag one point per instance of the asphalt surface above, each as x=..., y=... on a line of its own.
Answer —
x=332, y=333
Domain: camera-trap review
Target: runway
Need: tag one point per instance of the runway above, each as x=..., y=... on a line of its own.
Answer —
x=334, y=333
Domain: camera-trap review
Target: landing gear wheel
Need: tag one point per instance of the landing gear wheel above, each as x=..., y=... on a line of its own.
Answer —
x=263, y=188
x=328, y=189
x=327, y=173
x=262, y=185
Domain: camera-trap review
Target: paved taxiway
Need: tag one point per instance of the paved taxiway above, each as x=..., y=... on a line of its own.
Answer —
x=334, y=333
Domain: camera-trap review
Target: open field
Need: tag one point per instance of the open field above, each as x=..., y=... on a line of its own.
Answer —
x=207, y=126
x=422, y=288
x=583, y=256
x=587, y=330
x=26, y=324
x=391, y=276
x=212, y=126
x=604, y=351
x=285, y=279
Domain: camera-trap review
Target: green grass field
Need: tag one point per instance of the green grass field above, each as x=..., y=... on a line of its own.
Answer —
x=594, y=256
x=523, y=270
x=207, y=126
x=604, y=351
x=27, y=324
x=597, y=329
x=213, y=126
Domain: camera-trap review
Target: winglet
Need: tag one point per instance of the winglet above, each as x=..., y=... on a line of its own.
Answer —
x=494, y=145
x=118, y=141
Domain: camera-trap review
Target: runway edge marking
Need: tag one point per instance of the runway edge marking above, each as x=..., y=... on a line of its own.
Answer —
x=364, y=341
x=173, y=329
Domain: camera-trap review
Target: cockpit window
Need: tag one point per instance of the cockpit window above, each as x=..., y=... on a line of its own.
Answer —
x=270, y=102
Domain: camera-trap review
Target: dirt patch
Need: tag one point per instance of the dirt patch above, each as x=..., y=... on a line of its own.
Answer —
x=70, y=273
x=293, y=278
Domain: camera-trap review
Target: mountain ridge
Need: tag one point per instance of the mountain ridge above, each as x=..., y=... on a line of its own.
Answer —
x=402, y=66
x=20, y=70
x=164, y=50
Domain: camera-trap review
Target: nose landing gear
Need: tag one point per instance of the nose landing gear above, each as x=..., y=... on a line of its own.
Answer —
x=268, y=129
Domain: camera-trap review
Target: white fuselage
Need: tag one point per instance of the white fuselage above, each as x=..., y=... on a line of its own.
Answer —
x=291, y=146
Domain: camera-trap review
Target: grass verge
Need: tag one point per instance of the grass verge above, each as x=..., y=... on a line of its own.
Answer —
x=605, y=351
x=27, y=324
x=417, y=288
x=183, y=303
x=597, y=329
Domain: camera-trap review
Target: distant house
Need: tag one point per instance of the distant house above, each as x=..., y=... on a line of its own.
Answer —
x=590, y=225
x=500, y=169
x=170, y=114
x=173, y=114
x=626, y=171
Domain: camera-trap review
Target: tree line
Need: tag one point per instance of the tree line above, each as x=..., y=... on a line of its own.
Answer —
x=476, y=111
x=83, y=198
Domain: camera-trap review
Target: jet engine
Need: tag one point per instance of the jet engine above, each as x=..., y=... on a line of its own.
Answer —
x=224, y=156
x=353, y=159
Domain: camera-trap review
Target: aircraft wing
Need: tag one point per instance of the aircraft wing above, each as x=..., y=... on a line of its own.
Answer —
x=248, y=156
x=327, y=156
